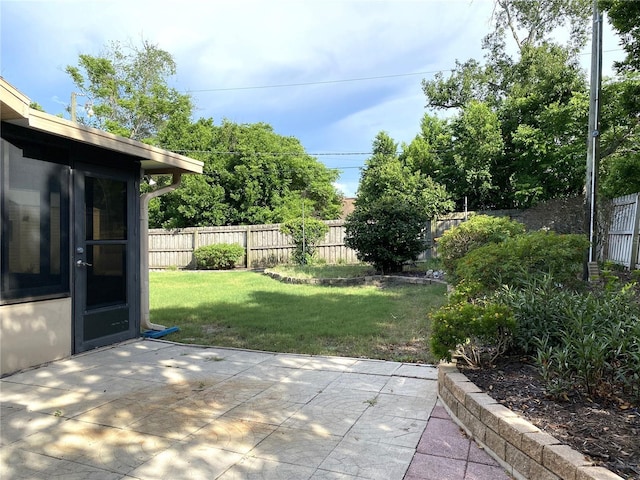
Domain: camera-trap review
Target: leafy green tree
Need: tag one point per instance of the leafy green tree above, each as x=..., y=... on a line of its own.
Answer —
x=531, y=22
x=620, y=125
x=252, y=175
x=625, y=18
x=129, y=90
x=544, y=122
x=392, y=207
x=536, y=100
x=476, y=152
x=621, y=175
x=427, y=151
x=306, y=233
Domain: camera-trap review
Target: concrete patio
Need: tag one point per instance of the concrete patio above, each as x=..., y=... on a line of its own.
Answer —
x=157, y=410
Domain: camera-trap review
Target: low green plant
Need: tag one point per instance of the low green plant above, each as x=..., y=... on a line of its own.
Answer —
x=306, y=233
x=538, y=308
x=589, y=341
x=477, y=332
x=220, y=256
x=516, y=260
x=479, y=230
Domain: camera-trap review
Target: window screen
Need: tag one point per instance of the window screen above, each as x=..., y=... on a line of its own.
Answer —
x=35, y=226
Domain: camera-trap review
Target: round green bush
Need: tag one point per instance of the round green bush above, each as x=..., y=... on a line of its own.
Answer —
x=472, y=330
x=515, y=261
x=220, y=256
x=479, y=230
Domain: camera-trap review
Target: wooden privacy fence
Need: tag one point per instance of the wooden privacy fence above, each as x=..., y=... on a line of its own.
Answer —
x=622, y=246
x=266, y=246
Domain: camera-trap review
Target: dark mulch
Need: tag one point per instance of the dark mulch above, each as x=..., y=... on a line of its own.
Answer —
x=605, y=430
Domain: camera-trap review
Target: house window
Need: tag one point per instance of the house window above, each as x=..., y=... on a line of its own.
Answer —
x=35, y=226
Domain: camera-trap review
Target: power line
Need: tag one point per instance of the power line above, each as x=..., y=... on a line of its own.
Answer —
x=345, y=80
x=320, y=82
x=272, y=154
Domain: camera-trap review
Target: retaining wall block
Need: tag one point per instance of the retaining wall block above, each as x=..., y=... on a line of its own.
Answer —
x=596, y=473
x=460, y=389
x=473, y=423
x=538, y=472
x=534, y=442
x=563, y=460
x=492, y=414
x=520, y=461
x=512, y=429
x=477, y=402
x=496, y=443
x=522, y=448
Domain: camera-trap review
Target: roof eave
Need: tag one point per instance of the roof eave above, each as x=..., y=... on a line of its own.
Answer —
x=15, y=109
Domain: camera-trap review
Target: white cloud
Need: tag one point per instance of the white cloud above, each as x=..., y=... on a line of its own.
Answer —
x=348, y=189
x=240, y=43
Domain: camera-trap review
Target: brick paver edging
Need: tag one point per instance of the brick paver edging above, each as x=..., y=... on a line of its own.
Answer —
x=525, y=451
x=368, y=280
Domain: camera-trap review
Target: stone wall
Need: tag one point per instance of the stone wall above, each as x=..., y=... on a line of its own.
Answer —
x=525, y=451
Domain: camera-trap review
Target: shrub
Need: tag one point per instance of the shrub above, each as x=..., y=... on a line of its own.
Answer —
x=478, y=332
x=538, y=308
x=306, y=234
x=386, y=234
x=221, y=256
x=516, y=260
x=479, y=230
x=587, y=340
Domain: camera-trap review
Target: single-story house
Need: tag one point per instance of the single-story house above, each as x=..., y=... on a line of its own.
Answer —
x=73, y=246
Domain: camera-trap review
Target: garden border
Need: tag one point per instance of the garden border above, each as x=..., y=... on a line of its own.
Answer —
x=522, y=449
x=366, y=280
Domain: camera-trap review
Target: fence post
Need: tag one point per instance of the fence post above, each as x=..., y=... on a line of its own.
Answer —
x=434, y=230
x=247, y=242
x=195, y=245
x=635, y=234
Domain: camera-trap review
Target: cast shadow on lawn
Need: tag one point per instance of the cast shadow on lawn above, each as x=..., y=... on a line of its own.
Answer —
x=333, y=321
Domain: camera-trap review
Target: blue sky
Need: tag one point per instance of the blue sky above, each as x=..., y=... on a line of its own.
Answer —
x=222, y=47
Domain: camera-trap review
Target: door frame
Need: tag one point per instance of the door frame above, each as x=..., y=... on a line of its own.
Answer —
x=78, y=240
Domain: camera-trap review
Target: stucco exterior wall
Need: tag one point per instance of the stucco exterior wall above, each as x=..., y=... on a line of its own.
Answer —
x=34, y=333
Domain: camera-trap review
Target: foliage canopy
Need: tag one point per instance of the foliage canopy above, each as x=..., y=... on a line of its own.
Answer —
x=391, y=209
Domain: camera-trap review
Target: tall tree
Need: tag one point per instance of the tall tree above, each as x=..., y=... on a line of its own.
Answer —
x=129, y=90
x=620, y=142
x=537, y=97
x=476, y=154
x=531, y=22
x=392, y=207
x=252, y=175
x=625, y=18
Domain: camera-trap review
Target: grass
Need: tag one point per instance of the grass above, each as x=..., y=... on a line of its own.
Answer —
x=250, y=310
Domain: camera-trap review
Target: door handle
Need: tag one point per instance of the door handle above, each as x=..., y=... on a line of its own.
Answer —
x=80, y=263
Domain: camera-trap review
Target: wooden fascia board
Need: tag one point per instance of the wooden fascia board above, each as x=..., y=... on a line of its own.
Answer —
x=153, y=157
x=15, y=104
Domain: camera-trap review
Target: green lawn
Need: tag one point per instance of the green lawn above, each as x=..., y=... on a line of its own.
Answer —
x=251, y=310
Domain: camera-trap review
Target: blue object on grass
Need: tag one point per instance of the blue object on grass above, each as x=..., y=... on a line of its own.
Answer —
x=159, y=333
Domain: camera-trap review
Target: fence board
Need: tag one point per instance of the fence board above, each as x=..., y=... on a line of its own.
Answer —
x=623, y=247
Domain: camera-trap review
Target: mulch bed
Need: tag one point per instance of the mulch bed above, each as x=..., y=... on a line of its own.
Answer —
x=605, y=430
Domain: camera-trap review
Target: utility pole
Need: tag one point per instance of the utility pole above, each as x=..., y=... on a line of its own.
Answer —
x=590, y=271
x=74, y=106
